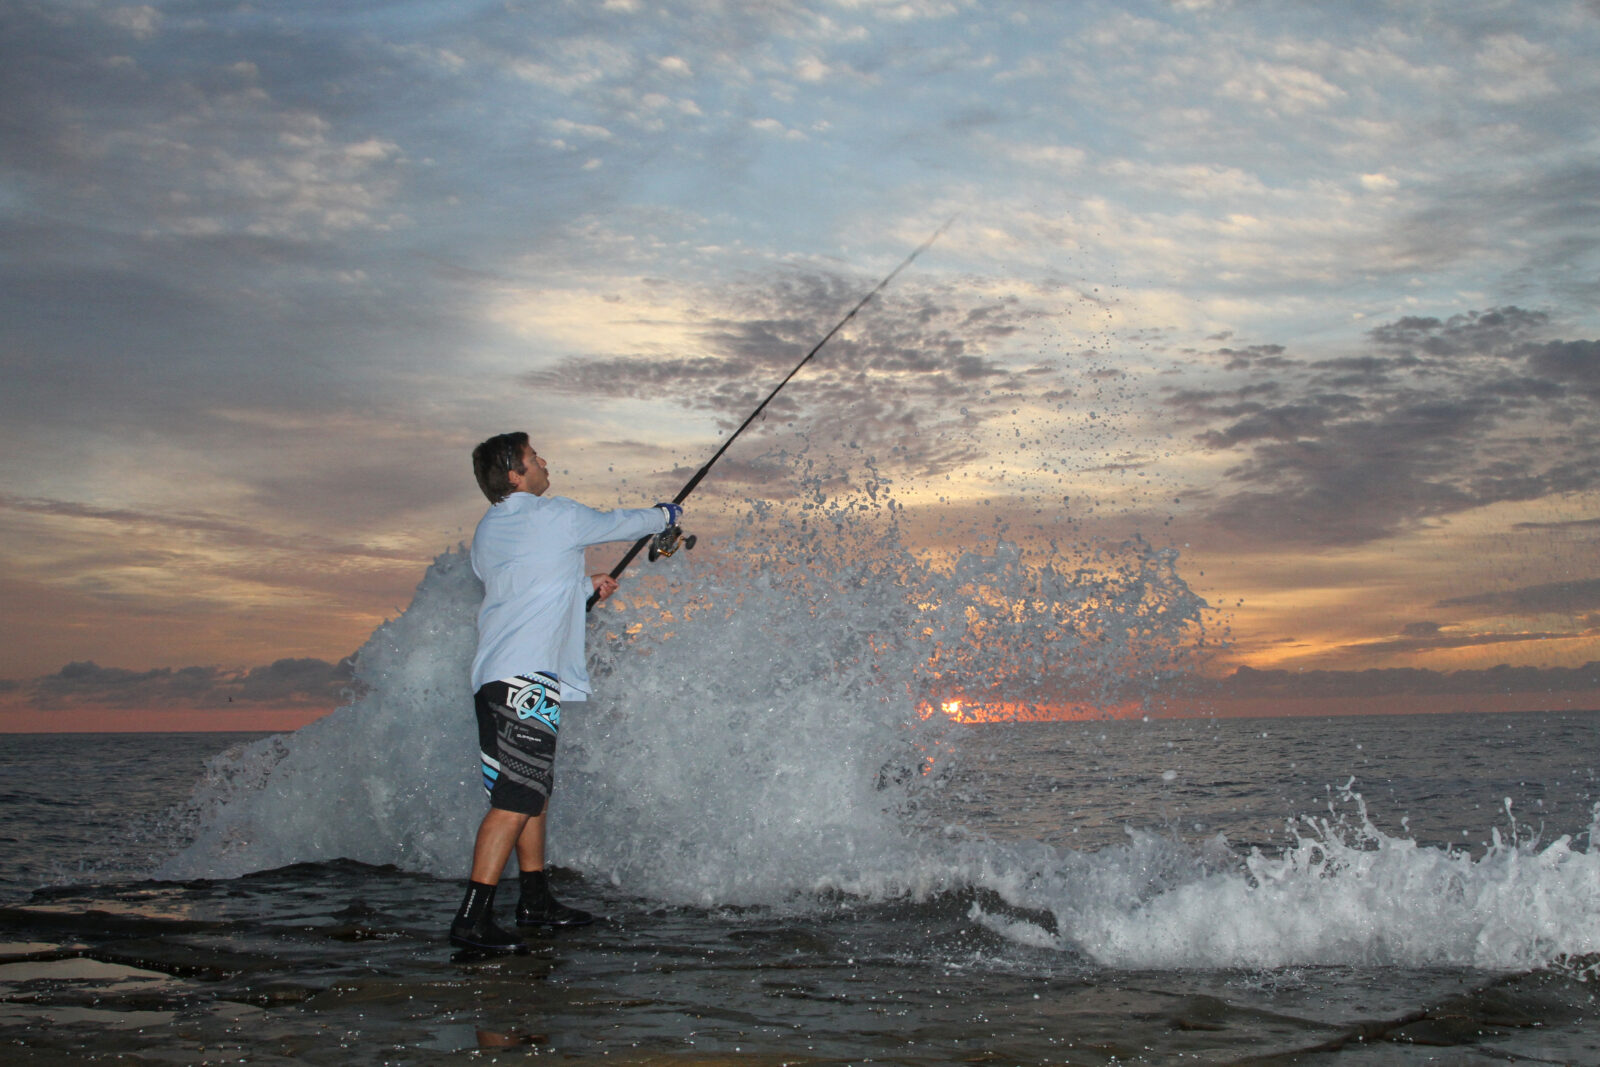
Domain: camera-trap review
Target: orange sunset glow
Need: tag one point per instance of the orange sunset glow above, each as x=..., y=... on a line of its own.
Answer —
x=1003, y=711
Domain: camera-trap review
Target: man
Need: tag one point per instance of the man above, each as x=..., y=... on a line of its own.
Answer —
x=528, y=552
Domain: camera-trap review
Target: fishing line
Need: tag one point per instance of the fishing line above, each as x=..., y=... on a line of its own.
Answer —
x=673, y=533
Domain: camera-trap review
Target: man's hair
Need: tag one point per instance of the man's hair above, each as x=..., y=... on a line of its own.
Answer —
x=494, y=460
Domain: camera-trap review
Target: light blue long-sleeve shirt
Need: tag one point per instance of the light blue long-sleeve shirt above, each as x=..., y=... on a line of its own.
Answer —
x=528, y=552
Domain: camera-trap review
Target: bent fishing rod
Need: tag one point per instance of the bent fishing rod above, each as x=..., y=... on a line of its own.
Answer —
x=666, y=542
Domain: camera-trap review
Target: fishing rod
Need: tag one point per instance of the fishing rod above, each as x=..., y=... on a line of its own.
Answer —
x=666, y=542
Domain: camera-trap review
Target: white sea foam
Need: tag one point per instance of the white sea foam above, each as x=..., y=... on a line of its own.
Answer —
x=1341, y=895
x=758, y=737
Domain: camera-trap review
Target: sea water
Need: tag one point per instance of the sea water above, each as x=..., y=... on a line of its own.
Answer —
x=801, y=859
x=1135, y=894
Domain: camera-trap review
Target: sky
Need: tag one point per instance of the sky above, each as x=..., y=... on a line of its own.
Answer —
x=1309, y=293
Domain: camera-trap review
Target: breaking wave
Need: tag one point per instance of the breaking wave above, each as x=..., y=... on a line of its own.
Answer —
x=765, y=732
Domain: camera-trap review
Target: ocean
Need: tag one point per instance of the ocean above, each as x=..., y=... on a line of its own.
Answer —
x=801, y=860
x=1434, y=926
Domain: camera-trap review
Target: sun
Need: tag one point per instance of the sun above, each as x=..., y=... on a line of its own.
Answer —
x=956, y=710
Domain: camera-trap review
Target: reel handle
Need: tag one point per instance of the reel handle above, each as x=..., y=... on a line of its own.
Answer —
x=669, y=541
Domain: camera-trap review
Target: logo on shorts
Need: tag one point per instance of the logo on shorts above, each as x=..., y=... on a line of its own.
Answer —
x=536, y=698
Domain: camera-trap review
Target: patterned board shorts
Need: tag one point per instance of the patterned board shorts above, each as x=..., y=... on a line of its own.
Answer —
x=518, y=719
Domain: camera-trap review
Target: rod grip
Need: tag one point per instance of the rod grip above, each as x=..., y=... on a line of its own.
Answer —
x=622, y=565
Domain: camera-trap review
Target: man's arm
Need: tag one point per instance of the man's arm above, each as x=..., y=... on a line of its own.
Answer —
x=591, y=527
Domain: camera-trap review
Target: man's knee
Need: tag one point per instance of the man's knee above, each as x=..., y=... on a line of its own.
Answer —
x=503, y=818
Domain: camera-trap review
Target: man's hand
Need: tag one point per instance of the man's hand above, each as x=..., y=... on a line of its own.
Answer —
x=604, y=585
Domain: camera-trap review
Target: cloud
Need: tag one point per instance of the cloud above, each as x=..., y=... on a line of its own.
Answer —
x=1443, y=640
x=1575, y=364
x=898, y=382
x=1575, y=598
x=303, y=682
x=1569, y=524
x=1437, y=417
x=1551, y=211
x=1291, y=89
x=1516, y=70
x=140, y=20
x=200, y=526
x=1198, y=181
x=1473, y=333
x=1248, y=682
x=202, y=146
x=1052, y=158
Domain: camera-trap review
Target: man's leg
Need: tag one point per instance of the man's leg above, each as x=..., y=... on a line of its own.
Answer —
x=499, y=832
x=530, y=843
x=518, y=720
x=474, y=925
x=537, y=907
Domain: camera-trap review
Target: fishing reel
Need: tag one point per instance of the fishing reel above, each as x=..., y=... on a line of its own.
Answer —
x=669, y=541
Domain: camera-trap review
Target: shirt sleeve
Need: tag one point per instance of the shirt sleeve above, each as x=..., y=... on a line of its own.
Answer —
x=591, y=527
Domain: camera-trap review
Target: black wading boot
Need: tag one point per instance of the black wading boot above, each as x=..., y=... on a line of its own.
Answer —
x=538, y=908
x=474, y=926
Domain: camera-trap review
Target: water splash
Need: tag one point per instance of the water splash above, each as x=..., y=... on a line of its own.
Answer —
x=389, y=778
x=762, y=722
x=761, y=735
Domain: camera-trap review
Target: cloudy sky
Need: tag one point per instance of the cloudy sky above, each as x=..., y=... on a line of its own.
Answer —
x=1308, y=292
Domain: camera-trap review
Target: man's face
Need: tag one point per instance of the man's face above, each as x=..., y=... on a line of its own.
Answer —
x=534, y=478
